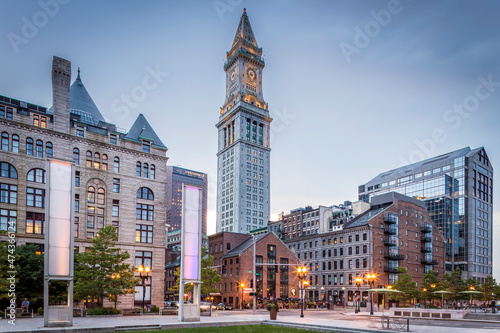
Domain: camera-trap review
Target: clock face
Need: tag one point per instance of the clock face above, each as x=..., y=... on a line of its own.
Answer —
x=251, y=74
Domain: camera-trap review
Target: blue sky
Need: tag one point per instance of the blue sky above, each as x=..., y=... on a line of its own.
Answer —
x=355, y=87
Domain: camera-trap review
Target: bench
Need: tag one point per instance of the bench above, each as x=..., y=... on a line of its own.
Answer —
x=171, y=310
x=386, y=322
x=132, y=312
x=20, y=312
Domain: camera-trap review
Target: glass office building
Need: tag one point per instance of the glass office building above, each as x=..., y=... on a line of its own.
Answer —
x=457, y=189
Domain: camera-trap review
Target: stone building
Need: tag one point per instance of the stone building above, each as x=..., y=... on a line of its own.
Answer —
x=275, y=281
x=395, y=231
x=120, y=178
x=243, y=157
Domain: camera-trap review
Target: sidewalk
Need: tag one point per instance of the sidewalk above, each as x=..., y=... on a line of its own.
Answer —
x=112, y=324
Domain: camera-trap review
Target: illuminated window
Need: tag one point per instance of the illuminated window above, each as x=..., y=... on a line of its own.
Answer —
x=144, y=233
x=35, y=223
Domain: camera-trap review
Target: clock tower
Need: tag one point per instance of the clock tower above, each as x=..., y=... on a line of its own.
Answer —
x=243, y=192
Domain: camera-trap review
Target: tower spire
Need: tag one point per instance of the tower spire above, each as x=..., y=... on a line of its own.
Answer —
x=78, y=76
x=244, y=34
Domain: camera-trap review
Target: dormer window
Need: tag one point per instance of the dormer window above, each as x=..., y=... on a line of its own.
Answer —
x=40, y=121
x=146, y=146
x=79, y=131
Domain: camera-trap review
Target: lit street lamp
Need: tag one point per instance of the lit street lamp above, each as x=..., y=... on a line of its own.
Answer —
x=357, y=306
x=302, y=271
x=241, y=287
x=371, y=279
x=145, y=275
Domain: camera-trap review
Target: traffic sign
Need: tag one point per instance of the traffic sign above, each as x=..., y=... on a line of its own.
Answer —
x=249, y=271
x=247, y=289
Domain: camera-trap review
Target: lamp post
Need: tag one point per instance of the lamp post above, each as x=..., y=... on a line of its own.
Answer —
x=241, y=286
x=357, y=306
x=113, y=277
x=471, y=288
x=343, y=296
x=371, y=279
x=145, y=275
x=302, y=271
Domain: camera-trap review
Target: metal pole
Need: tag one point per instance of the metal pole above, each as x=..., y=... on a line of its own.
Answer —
x=143, y=291
x=254, y=286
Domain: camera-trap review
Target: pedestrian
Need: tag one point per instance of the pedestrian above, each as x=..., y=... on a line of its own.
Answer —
x=25, y=305
x=458, y=305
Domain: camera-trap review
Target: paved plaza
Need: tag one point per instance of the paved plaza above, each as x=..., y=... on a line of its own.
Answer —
x=312, y=319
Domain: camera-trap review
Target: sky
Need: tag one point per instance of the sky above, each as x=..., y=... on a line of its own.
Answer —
x=355, y=88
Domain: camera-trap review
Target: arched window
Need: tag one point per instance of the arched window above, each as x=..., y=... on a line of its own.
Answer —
x=145, y=193
x=104, y=162
x=15, y=143
x=91, y=194
x=29, y=146
x=97, y=156
x=36, y=175
x=88, y=161
x=100, y=196
x=39, y=148
x=48, y=149
x=5, y=141
x=145, y=170
x=7, y=170
x=138, y=169
x=116, y=164
x=152, y=172
x=76, y=156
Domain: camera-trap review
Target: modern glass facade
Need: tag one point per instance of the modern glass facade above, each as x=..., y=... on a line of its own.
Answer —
x=456, y=187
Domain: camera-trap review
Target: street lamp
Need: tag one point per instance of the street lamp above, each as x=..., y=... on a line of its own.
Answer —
x=471, y=288
x=371, y=279
x=242, y=285
x=343, y=296
x=143, y=273
x=357, y=307
x=113, y=277
x=302, y=271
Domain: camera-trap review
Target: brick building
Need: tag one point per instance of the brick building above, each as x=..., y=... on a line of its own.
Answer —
x=277, y=280
x=120, y=178
x=395, y=231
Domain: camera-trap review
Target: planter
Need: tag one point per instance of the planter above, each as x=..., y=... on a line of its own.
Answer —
x=273, y=313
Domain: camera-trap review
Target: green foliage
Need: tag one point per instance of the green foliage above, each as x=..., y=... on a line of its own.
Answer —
x=94, y=269
x=490, y=287
x=209, y=277
x=154, y=309
x=405, y=284
x=2, y=314
x=40, y=311
x=5, y=267
x=101, y=312
x=271, y=305
x=454, y=283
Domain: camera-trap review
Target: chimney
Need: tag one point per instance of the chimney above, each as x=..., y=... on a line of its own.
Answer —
x=61, y=80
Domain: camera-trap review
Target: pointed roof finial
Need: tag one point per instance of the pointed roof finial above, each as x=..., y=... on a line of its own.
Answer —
x=78, y=77
x=244, y=10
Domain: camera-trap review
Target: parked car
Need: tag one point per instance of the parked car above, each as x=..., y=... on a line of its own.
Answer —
x=205, y=306
x=224, y=306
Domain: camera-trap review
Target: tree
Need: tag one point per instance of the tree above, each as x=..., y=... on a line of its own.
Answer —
x=30, y=283
x=405, y=284
x=94, y=268
x=490, y=288
x=432, y=283
x=9, y=262
x=209, y=277
x=454, y=283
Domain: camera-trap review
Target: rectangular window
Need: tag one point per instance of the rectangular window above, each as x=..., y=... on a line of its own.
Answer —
x=77, y=178
x=35, y=197
x=79, y=131
x=8, y=194
x=144, y=258
x=112, y=139
x=144, y=212
x=116, y=185
x=144, y=233
x=34, y=223
x=146, y=147
x=116, y=208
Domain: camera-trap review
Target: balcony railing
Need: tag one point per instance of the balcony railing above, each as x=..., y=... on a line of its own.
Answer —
x=426, y=229
x=388, y=220
x=425, y=249
x=390, y=232
x=426, y=239
x=390, y=269
x=429, y=262
x=390, y=242
x=393, y=256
